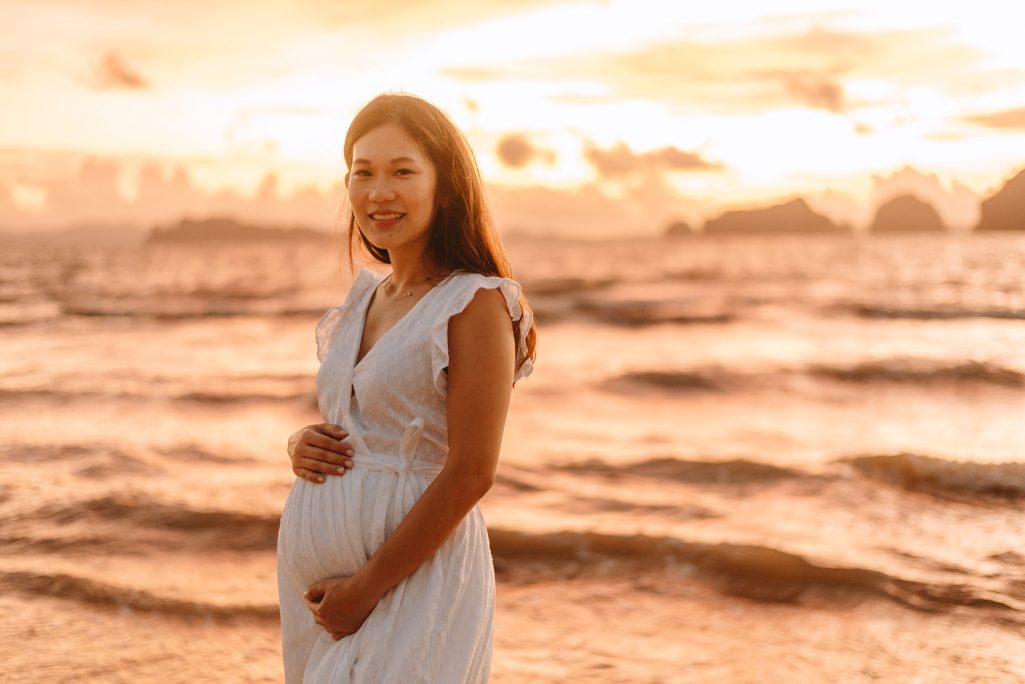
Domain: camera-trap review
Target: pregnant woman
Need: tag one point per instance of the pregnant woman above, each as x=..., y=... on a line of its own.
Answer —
x=385, y=572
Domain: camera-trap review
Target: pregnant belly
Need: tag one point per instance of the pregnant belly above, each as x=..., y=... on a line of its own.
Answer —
x=324, y=529
x=333, y=528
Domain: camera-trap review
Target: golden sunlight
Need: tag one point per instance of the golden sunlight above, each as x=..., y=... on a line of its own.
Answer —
x=725, y=103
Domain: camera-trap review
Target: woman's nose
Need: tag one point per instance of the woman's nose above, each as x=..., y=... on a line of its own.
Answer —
x=381, y=190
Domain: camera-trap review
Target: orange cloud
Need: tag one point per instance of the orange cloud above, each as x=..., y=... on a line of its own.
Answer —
x=114, y=73
x=621, y=160
x=816, y=90
x=385, y=16
x=1009, y=118
x=516, y=151
x=754, y=74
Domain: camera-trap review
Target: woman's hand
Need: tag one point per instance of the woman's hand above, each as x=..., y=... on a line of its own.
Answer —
x=340, y=605
x=318, y=450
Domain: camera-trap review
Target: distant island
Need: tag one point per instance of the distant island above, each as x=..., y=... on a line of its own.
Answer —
x=1005, y=210
x=907, y=214
x=679, y=229
x=228, y=229
x=794, y=216
x=89, y=235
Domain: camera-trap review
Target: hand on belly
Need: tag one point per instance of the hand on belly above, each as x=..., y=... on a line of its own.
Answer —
x=340, y=605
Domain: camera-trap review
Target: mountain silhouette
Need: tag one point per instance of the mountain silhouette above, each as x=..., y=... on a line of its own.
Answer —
x=794, y=216
x=192, y=230
x=678, y=229
x=907, y=214
x=1005, y=210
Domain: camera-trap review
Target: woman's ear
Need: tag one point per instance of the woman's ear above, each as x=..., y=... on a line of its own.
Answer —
x=346, y=179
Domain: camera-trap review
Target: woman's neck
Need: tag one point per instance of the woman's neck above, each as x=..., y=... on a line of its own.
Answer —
x=411, y=270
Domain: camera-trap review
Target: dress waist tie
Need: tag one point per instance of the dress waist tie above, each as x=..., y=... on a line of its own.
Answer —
x=405, y=465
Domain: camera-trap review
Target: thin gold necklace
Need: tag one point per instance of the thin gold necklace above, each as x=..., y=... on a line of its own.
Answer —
x=408, y=293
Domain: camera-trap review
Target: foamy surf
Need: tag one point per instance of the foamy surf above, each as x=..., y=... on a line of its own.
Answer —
x=965, y=479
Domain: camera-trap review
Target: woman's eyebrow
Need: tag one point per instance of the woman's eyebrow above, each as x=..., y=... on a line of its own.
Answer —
x=397, y=160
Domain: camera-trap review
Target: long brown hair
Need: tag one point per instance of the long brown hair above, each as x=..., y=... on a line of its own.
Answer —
x=462, y=234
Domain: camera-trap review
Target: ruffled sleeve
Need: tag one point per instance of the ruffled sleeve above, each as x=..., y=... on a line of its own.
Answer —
x=457, y=301
x=333, y=317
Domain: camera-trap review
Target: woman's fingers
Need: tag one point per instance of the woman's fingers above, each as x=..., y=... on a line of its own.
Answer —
x=319, y=450
x=313, y=598
x=316, y=453
x=333, y=433
x=307, y=474
x=324, y=467
x=336, y=431
x=316, y=470
x=327, y=443
x=312, y=437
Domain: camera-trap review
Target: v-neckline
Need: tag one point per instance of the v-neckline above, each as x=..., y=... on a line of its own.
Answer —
x=356, y=360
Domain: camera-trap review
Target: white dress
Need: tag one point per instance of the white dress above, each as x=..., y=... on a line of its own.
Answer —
x=436, y=625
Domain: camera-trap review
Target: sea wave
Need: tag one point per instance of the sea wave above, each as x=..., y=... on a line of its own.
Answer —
x=734, y=471
x=200, y=396
x=88, y=455
x=697, y=380
x=912, y=371
x=185, y=310
x=758, y=572
x=752, y=571
x=643, y=312
x=599, y=504
x=207, y=528
x=193, y=453
x=695, y=274
x=929, y=314
x=960, y=479
x=87, y=590
x=922, y=370
x=117, y=524
x=561, y=285
x=48, y=453
x=516, y=484
x=209, y=397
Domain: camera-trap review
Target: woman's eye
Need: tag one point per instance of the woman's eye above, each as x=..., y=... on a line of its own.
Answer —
x=405, y=172
x=361, y=172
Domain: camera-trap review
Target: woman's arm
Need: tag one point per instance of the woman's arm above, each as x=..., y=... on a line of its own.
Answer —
x=480, y=377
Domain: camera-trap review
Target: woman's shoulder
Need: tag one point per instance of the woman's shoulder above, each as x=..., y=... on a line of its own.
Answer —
x=461, y=287
x=464, y=287
x=365, y=276
x=364, y=280
x=472, y=280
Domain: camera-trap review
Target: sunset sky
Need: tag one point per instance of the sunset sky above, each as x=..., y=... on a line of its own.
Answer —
x=588, y=118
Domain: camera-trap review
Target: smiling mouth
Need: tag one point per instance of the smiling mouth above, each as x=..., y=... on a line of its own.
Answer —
x=386, y=215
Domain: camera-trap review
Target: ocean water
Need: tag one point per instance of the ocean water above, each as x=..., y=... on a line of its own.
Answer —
x=739, y=460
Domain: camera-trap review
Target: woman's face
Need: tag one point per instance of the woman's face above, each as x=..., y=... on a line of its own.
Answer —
x=391, y=188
